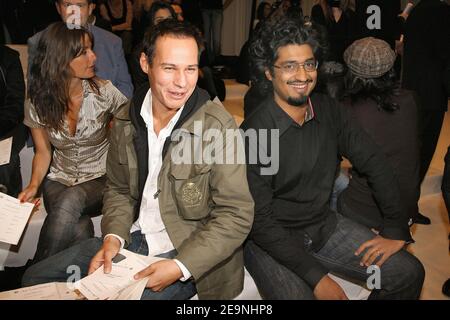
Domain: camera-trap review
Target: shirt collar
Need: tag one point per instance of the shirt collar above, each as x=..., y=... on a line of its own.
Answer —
x=147, y=115
x=284, y=121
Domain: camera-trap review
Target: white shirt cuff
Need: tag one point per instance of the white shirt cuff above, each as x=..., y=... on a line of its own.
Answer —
x=122, y=241
x=184, y=270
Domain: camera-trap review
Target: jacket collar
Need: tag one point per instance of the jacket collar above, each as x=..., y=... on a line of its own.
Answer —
x=198, y=98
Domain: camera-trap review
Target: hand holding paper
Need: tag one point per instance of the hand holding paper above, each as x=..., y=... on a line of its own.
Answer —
x=161, y=274
x=13, y=218
x=100, y=285
x=104, y=256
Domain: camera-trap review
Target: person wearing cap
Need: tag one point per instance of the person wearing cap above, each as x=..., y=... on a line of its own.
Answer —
x=389, y=116
x=296, y=239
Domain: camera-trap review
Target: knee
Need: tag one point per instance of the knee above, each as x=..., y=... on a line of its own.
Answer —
x=412, y=272
x=71, y=203
x=67, y=210
x=417, y=272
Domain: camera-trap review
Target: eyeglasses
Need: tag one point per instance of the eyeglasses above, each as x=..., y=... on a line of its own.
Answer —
x=293, y=67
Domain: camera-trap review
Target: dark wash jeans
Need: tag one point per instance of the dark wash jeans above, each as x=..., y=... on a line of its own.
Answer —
x=69, y=211
x=54, y=269
x=402, y=275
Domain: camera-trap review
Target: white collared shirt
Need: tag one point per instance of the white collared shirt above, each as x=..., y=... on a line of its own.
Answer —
x=150, y=222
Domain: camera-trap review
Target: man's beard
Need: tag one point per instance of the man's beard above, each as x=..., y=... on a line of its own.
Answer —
x=297, y=102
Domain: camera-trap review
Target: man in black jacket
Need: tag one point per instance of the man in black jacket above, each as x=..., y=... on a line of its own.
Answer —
x=12, y=92
x=426, y=57
x=296, y=239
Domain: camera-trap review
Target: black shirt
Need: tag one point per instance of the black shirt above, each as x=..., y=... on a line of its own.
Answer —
x=340, y=34
x=397, y=135
x=122, y=19
x=294, y=201
x=12, y=91
x=211, y=4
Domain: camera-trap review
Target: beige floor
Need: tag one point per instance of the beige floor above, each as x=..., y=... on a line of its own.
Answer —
x=432, y=244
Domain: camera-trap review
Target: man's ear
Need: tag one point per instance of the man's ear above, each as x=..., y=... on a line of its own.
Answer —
x=144, y=62
x=268, y=74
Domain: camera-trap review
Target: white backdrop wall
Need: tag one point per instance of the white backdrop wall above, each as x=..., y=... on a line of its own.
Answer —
x=235, y=28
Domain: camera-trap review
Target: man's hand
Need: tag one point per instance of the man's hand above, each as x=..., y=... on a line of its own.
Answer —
x=328, y=289
x=378, y=247
x=110, y=248
x=162, y=274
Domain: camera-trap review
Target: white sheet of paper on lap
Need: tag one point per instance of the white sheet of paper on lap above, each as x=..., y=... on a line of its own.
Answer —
x=13, y=218
x=101, y=286
x=5, y=151
x=46, y=291
x=66, y=292
x=133, y=292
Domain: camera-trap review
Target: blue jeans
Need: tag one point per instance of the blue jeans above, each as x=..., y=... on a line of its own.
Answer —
x=212, y=29
x=340, y=184
x=69, y=211
x=402, y=275
x=54, y=269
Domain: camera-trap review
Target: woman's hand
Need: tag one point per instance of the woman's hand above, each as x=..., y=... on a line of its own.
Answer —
x=28, y=195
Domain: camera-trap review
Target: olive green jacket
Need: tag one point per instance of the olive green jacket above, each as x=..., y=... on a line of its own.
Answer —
x=207, y=208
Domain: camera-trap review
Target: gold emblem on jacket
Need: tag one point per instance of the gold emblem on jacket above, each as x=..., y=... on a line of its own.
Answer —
x=190, y=194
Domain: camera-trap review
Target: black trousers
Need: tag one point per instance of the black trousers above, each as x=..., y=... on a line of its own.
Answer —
x=10, y=177
x=430, y=128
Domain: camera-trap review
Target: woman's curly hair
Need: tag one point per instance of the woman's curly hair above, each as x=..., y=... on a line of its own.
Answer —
x=279, y=33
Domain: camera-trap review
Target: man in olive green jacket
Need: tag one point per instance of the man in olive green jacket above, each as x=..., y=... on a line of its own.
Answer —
x=160, y=201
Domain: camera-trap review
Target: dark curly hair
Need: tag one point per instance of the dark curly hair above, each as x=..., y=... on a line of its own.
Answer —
x=279, y=33
x=381, y=89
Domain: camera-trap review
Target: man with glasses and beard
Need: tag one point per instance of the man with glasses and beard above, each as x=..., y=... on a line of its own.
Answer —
x=296, y=239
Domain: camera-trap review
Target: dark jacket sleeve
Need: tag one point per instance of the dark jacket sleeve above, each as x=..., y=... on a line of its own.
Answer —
x=368, y=159
x=286, y=247
x=123, y=78
x=13, y=94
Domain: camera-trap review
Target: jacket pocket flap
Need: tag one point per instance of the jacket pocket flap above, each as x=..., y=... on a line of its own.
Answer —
x=180, y=171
